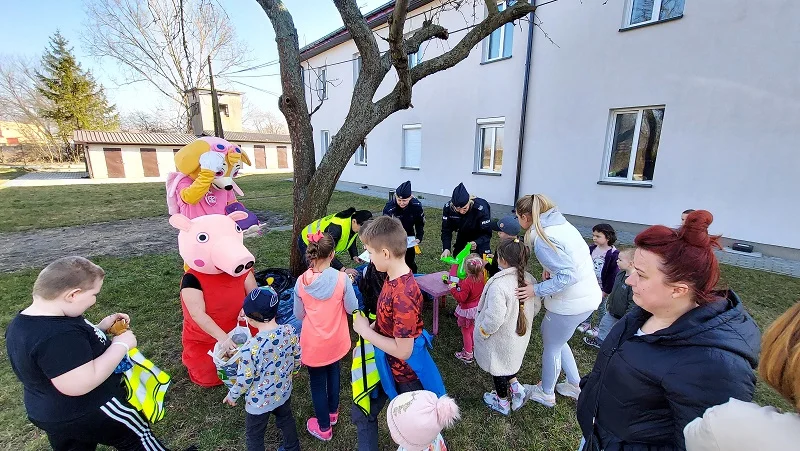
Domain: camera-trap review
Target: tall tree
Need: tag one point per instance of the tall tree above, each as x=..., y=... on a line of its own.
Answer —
x=74, y=100
x=313, y=185
x=165, y=43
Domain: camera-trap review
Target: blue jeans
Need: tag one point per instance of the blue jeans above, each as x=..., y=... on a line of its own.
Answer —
x=606, y=323
x=325, y=387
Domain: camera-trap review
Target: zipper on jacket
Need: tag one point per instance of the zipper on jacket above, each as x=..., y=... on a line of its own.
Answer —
x=597, y=398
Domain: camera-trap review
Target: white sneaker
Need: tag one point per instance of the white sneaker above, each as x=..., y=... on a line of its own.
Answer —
x=568, y=390
x=517, y=396
x=535, y=393
x=496, y=403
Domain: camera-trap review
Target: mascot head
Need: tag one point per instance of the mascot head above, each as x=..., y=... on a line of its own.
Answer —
x=187, y=160
x=213, y=244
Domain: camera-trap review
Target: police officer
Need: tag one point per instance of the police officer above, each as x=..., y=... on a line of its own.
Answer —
x=468, y=216
x=408, y=210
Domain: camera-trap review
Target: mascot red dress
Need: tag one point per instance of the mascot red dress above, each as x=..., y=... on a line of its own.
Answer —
x=213, y=289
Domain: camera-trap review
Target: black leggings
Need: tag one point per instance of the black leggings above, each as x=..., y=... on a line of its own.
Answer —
x=501, y=385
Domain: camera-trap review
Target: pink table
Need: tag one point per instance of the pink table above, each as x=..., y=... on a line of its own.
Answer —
x=433, y=285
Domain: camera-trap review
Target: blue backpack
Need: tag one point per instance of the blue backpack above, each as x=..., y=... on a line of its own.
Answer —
x=420, y=361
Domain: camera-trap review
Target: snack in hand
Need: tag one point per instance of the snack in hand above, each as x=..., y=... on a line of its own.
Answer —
x=119, y=327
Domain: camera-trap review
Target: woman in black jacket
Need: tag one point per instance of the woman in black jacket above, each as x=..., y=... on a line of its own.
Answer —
x=685, y=348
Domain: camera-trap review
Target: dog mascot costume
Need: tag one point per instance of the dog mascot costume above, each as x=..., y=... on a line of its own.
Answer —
x=203, y=183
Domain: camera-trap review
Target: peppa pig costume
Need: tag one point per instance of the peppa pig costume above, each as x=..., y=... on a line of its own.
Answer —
x=218, y=265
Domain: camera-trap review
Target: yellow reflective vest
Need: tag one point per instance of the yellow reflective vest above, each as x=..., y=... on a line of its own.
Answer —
x=322, y=224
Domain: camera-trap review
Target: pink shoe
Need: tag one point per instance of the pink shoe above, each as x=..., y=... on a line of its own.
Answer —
x=334, y=418
x=313, y=428
x=464, y=356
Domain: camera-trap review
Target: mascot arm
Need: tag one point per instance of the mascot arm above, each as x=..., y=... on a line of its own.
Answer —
x=196, y=306
x=199, y=187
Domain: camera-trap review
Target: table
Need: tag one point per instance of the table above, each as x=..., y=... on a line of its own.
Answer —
x=433, y=285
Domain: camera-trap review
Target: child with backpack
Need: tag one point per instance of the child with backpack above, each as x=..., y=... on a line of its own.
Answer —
x=503, y=326
x=322, y=298
x=467, y=293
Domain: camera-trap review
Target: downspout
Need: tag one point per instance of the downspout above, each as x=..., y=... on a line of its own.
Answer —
x=524, y=110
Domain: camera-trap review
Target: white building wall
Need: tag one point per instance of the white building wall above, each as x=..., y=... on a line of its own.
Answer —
x=729, y=142
x=447, y=105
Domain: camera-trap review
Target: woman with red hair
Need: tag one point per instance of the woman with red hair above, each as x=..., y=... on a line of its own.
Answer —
x=688, y=346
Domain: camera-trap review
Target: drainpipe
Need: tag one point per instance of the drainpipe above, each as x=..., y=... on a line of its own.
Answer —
x=524, y=111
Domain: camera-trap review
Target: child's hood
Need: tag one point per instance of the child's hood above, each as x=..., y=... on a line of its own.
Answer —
x=323, y=285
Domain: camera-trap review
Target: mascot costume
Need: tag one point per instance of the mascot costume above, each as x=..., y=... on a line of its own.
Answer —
x=220, y=267
x=204, y=182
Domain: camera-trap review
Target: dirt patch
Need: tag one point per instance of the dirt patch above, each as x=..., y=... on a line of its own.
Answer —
x=125, y=238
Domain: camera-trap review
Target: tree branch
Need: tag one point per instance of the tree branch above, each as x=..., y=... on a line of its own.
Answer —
x=360, y=32
x=491, y=7
x=398, y=54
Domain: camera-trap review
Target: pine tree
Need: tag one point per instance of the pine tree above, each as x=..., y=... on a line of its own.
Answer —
x=75, y=100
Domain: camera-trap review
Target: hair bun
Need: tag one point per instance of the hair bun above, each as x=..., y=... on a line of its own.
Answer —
x=695, y=229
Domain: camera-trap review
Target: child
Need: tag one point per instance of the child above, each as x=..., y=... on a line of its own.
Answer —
x=619, y=301
x=604, y=256
x=416, y=420
x=507, y=227
x=68, y=367
x=322, y=295
x=467, y=293
x=397, y=324
x=264, y=377
x=503, y=326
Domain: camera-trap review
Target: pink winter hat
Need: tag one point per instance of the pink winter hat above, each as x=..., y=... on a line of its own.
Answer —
x=416, y=418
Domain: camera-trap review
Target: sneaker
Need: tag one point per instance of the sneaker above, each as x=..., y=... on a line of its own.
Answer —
x=334, y=418
x=593, y=342
x=568, y=390
x=313, y=428
x=584, y=326
x=496, y=403
x=593, y=332
x=535, y=393
x=464, y=356
x=517, y=396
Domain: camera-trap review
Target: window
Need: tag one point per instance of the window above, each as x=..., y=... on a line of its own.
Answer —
x=633, y=144
x=498, y=45
x=415, y=58
x=223, y=108
x=325, y=140
x=361, y=154
x=412, y=146
x=489, y=155
x=356, y=67
x=322, y=83
x=643, y=11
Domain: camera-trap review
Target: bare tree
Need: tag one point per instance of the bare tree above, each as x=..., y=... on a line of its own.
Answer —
x=259, y=121
x=21, y=102
x=149, y=122
x=165, y=43
x=313, y=185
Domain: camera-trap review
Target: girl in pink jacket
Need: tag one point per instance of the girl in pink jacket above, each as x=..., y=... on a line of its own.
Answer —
x=323, y=297
x=467, y=293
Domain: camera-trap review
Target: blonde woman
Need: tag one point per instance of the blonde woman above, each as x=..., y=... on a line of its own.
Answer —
x=568, y=288
x=745, y=426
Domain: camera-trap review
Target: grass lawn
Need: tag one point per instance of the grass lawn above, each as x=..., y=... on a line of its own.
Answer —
x=147, y=288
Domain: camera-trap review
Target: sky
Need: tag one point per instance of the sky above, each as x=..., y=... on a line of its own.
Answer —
x=29, y=24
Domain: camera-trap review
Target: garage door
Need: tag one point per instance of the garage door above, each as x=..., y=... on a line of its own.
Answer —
x=283, y=160
x=116, y=170
x=261, y=157
x=149, y=162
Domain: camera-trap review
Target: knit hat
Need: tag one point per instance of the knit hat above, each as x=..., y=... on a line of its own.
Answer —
x=261, y=304
x=416, y=418
x=508, y=224
x=460, y=196
x=404, y=190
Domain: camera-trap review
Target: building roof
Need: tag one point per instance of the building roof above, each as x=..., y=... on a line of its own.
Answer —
x=252, y=137
x=377, y=16
x=168, y=139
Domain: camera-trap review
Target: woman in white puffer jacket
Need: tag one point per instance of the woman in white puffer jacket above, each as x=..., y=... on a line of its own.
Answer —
x=569, y=290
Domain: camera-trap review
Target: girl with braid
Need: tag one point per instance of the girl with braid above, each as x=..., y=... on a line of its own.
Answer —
x=503, y=326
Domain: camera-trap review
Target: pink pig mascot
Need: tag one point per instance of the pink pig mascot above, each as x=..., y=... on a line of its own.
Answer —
x=213, y=288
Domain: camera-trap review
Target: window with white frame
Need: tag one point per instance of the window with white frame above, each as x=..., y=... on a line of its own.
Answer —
x=415, y=58
x=322, y=83
x=325, y=141
x=490, y=145
x=412, y=146
x=361, y=154
x=632, y=147
x=356, y=67
x=498, y=45
x=644, y=11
